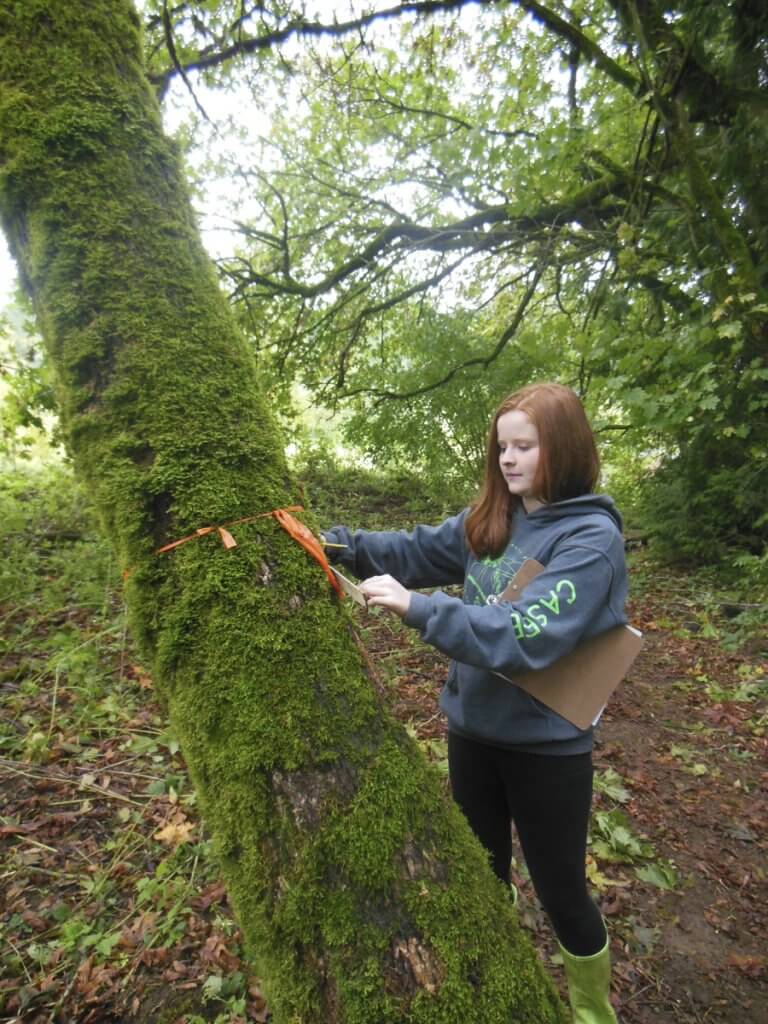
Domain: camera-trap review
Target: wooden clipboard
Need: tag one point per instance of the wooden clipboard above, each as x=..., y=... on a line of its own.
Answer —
x=578, y=685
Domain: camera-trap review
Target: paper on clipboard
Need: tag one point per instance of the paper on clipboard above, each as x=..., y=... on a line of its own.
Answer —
x=578, y=685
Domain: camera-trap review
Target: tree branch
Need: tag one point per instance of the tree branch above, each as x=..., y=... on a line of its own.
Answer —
x=302, y=27
x=485, y=230
x=404, y=108
x=483, y=361
x=711, y=98
x=586, y=46
x=381, y=307
x=171, y=47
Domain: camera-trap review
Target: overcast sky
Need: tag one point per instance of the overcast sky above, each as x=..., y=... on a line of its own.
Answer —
x=7, y=272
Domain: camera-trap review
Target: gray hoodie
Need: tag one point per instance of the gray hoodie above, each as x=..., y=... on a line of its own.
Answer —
x=580, y=593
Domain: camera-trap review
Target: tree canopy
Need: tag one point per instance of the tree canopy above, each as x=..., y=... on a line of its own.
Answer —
x=449, y=199
x=428, y=204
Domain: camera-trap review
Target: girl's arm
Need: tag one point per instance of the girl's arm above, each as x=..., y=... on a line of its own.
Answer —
x=428, y=556
x=574, y=597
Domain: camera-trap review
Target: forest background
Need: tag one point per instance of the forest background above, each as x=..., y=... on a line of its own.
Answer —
x=415, y=210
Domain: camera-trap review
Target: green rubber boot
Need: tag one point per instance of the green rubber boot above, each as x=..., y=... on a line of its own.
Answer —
x=589, y=983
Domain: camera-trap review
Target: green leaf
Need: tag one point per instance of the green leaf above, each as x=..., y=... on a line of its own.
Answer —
x=212, y=986
x=661, y=874
x=612, y=785
x=107, y=943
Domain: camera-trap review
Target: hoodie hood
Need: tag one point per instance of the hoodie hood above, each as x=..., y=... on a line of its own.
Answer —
x=584, y=505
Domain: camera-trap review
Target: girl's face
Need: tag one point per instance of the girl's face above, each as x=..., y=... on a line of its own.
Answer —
x=519, y=455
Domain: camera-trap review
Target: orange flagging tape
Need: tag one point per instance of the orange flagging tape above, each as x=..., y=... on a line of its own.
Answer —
x=309, y=542
x=226, y=537
x=292, y=526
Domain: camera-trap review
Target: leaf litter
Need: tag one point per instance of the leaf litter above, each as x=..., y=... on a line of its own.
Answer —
x=112, y=908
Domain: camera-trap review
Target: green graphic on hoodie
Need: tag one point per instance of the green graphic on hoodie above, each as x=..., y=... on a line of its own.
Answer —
x=488, y=577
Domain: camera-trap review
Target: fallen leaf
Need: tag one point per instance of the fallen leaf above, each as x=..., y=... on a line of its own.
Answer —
x=176, y=832
x=17, y=830
x=752, y=966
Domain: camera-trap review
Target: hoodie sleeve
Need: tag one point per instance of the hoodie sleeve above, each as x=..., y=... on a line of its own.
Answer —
x=563, y=604
x=428, y=556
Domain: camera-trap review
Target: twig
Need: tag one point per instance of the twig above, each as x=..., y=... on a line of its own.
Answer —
x=34, y=842
x=56, y=675
x=42, y=774
x=169, y=42
x=18, y=953
x=637, y=994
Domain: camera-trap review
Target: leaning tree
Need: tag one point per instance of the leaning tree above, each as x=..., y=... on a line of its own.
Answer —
x=361, y=893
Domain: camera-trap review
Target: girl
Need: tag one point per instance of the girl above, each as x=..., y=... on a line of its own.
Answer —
x=511, y=759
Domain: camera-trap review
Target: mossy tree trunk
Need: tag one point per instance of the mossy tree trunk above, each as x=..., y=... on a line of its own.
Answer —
x=362, y=896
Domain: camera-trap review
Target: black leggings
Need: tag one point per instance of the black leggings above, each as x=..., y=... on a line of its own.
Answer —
x=548, y=798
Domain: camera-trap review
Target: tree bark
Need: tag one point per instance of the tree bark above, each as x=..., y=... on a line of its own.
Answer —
x=360, y=891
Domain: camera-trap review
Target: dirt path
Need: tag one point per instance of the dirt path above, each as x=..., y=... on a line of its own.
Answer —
x=698, y=775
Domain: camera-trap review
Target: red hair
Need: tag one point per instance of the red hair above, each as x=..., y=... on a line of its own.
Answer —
x=568, y=462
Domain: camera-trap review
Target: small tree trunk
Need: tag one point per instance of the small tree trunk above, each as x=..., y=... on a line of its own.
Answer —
x=361, y=893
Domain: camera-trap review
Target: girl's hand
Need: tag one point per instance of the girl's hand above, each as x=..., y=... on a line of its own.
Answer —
x=386, y=592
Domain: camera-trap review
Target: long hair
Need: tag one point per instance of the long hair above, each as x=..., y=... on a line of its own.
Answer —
x=568, y=463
